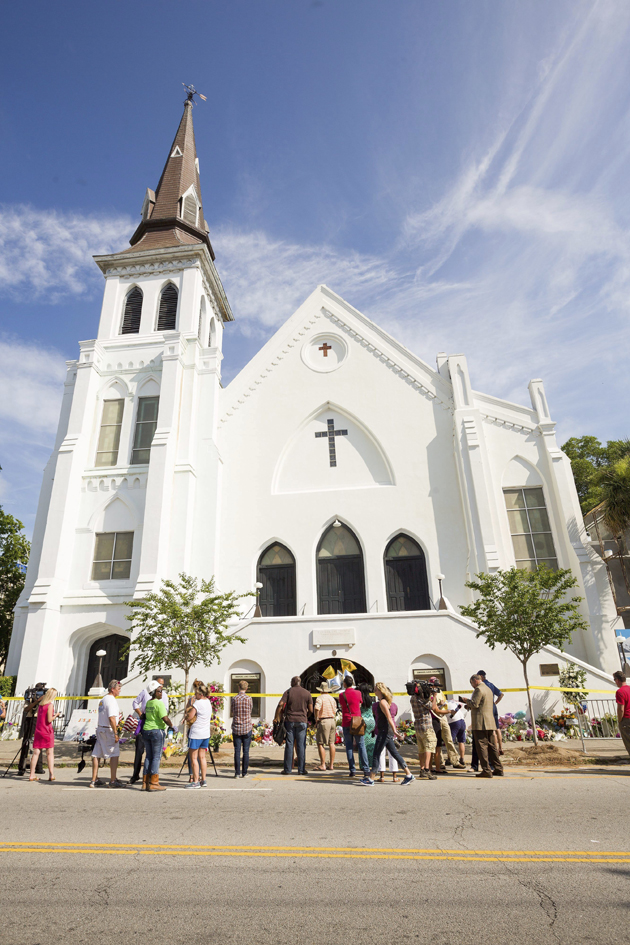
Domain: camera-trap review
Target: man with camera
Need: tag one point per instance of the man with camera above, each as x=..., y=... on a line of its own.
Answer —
x=422, y=701
x=32, y=698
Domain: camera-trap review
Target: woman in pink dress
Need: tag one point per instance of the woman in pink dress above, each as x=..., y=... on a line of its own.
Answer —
x=44, y=734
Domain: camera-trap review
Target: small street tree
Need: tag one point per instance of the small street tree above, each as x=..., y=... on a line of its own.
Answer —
x=14, y=552
x=182, y=625
x=524, y=611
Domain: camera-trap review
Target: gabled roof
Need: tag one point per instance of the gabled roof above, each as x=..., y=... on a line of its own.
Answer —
x=324, y=302
x=164, y=223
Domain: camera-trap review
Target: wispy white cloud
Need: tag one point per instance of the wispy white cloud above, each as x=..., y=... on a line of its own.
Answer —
x=31, y=389
x=47, y=254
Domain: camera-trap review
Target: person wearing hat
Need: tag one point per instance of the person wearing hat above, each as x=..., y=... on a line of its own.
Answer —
x=440, y=712
x=139, y=705
x=325, y=718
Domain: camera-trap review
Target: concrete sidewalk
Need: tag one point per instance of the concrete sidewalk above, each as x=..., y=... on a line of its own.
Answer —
x=604, y=750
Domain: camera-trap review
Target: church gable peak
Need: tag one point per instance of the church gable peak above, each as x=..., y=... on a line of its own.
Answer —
x=324, y=330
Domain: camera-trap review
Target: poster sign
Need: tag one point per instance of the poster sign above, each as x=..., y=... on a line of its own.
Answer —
x=82, y=724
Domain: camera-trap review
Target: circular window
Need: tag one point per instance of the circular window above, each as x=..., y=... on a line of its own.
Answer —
x=325, y=353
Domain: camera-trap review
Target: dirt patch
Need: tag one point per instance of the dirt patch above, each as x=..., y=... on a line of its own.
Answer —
x=549, y=754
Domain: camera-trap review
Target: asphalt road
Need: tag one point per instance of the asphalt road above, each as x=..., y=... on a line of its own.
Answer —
x=533, y=857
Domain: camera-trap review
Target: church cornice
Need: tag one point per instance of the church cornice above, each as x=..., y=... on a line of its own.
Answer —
x=167, y=261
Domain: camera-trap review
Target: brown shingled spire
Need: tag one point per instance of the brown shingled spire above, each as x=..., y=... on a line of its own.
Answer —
x=174, y=217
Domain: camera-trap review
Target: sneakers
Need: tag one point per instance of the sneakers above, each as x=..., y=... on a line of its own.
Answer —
x=115, y=784
x=203, y=783
x=367, y=781
x=351, y=774
x=426, y=775
x=461, y=766
x=408, y=779
x=193, y=785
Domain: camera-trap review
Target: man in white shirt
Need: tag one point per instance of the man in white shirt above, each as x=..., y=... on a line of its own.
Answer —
x=107, y=736
x=457, y=724
x=139, y=705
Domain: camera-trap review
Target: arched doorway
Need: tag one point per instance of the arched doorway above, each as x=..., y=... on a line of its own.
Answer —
x=340, y=578
x=406, y=575
x=114, y=666
x=313, y=676
x=276, y=573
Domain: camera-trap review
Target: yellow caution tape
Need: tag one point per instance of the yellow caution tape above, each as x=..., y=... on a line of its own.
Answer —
x=278, y=695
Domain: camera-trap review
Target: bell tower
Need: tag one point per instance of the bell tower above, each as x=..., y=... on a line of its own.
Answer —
x=135, y=473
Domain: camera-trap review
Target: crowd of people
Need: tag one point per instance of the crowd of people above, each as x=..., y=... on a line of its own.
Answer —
x=369, y=728
x=368, y=724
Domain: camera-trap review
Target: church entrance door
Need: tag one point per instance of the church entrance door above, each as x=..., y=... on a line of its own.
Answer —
x=115, y=665
x=313, y=676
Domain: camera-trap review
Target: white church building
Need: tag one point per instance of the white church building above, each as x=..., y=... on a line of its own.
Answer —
x=339, y=471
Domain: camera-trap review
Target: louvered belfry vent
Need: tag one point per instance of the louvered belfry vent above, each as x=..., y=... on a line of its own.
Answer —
x=167, y=316
x=133, y=311
x=190, y=210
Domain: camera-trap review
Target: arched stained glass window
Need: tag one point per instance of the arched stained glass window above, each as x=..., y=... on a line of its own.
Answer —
x=132, y=313
x=406, y=575
x=167, y=315
x=340, y=576
x=276, y=573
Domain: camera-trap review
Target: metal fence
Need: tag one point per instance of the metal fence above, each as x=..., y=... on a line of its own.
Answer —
x=598, y=718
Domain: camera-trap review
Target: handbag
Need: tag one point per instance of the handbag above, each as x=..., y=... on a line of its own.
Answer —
x=191, y=715
x=357, y=726
x=279, y=732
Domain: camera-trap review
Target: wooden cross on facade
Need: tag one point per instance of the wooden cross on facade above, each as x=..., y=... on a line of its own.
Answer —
x=325, y=348
x=331, y=433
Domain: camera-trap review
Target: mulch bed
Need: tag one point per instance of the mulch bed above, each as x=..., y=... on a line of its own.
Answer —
x=545, y=754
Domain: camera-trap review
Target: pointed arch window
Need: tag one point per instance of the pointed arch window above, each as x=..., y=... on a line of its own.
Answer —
x=340, y=574
x=406, y=575
x=132, y=313
x=167, y=315
x=276, y=573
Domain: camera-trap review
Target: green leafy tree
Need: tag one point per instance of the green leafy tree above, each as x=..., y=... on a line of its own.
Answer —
x=14, y=552
x=182, y=625
x=588, y=459
x=524, y=611
x=572, y=677
x=614, y=485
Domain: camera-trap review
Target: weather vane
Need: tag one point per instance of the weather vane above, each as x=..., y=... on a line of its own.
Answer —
x=191, y=92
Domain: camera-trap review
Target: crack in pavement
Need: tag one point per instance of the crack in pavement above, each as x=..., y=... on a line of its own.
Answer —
x=546, y=902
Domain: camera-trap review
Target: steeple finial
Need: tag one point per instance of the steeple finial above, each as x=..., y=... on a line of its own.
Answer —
x=173, y=216
x=191, y=92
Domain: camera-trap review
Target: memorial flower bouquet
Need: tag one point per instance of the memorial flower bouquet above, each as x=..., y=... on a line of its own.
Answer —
x=262, y=733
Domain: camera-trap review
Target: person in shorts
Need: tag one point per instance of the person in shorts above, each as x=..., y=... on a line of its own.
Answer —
x=107, y=736
x=457, y=724
x=326, y=718
x=426, y=738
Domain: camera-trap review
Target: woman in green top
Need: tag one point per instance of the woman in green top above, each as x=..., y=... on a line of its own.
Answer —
x=155, y=722
x=367, y=714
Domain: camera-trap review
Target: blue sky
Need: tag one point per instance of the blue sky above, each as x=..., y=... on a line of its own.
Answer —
x=458, y=171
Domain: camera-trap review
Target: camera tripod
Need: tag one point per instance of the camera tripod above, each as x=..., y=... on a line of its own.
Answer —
x=216, y=773
x=23, y=752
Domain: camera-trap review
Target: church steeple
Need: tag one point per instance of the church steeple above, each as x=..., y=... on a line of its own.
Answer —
x=173, y=215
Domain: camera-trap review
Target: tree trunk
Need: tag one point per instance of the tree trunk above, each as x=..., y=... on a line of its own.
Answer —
x=529, y=701
x=186, y=670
